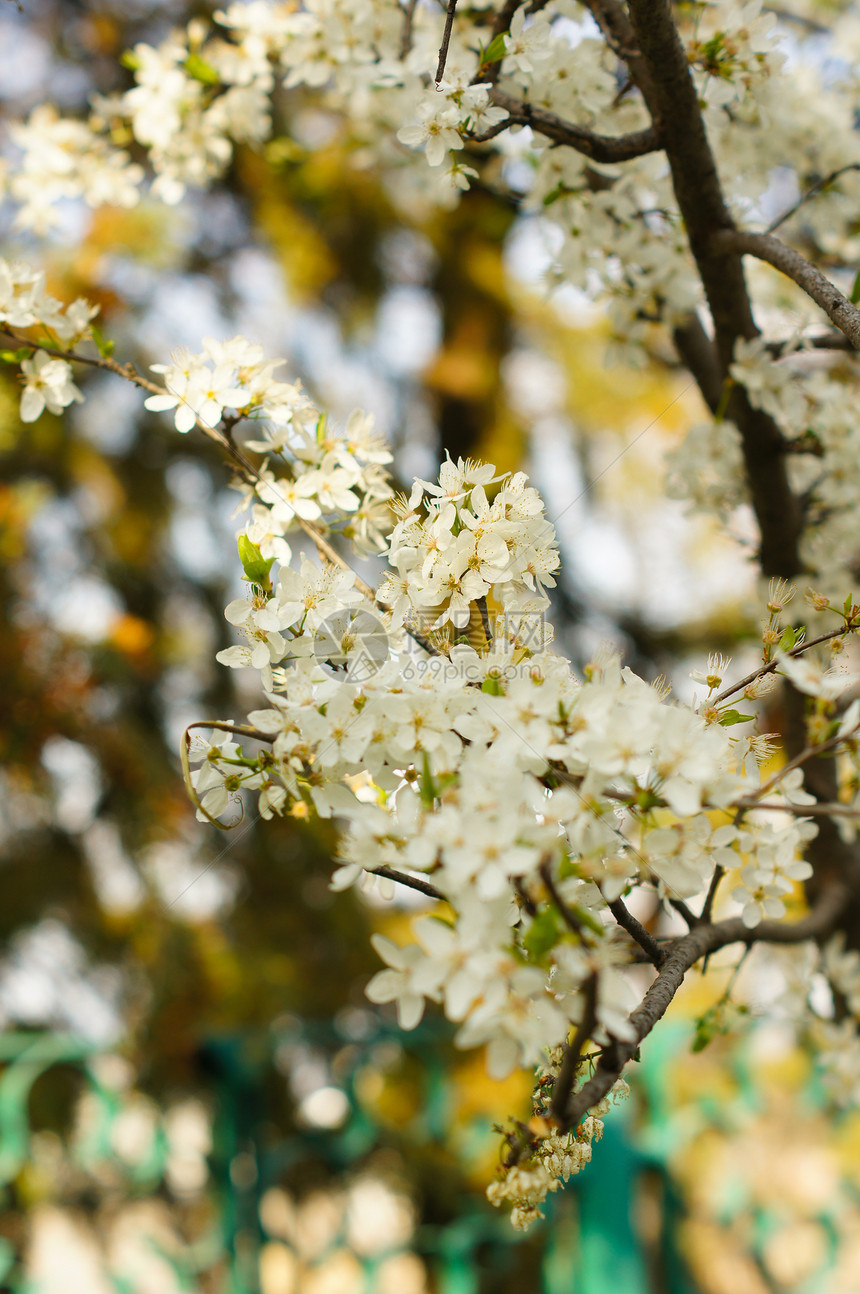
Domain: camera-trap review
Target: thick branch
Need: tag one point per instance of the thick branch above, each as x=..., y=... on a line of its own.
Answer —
x=816, y=285
x=675, y=104
x=611, y=18
x=599, y=148
x=699, y=354
x=679, y=958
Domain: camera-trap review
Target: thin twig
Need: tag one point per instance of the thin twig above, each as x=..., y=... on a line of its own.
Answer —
x=412, y=882
x=773, y=664
x=406, y=35
x=224, y=438
x=719, y=873
x=821, y=809
x=808, y=752
x=811, y=192
x=572, y=1052
x=446, y=41
x=569, y=918
x=525, y=898
x=635, y=928
x=488, y=73
x=128, y=371
x=681, y=908
x=238, y=729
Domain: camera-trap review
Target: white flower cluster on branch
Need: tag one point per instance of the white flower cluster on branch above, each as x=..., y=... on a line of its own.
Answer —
x=436, y=723
x=431, y=716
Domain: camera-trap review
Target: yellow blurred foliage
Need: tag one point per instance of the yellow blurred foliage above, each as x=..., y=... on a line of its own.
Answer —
x=131, y=635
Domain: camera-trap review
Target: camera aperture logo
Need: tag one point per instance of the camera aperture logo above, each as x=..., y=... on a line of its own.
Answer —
x=352, y=644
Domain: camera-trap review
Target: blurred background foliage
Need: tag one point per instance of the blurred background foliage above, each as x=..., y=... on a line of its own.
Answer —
x=194, y=1093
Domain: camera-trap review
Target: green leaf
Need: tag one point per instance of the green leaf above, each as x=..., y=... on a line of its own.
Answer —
x=585, y=918
x=543, y=934
x=554, y=194
x=129, y=59
x=855, y=291
x=427, y=788
x=789, y=639
x=496, y=49
x=492, y=685
x=717, y=1020
x=254, y=564
x=848, y=605
x=201, y=70
x=730, y=717
x=15, y=356
x=103, y=345
x=707, y=1028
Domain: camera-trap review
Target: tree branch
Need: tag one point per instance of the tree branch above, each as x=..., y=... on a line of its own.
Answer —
x=699, y=354
x=573, y=1051
x=635, y=928
x=612, y=19
x=823, y=341
x=225, y=440
x=406, y=34
x=128, y=371
x=488, y=73
x=807, y=276
x=674, y=103
x=411, y=882
x=568, y=917
x=811, y=193
x=680, y=957
x=599, y=148
x=821, y=810
x=772, y=665
x=446, y=40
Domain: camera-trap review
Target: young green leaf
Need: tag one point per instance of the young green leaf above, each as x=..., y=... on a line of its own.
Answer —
x=543, y=933
x=201, y=70
x=104, y=345
x=496, y=49
x=254, y=564
x=427, y=788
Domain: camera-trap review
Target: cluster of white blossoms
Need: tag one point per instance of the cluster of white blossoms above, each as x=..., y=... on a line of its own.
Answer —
x=814, y=407
x=556, y=1157
x=25, y=304
x=456, y=749
x=431, y=716
x=452, y=550
x=616, y=229
x=63, y=158
x=323, y=472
